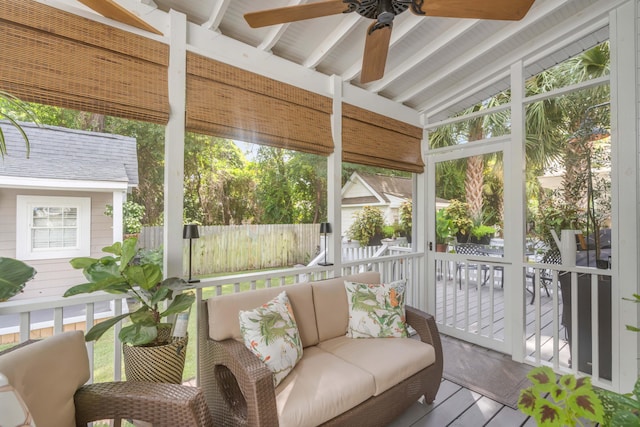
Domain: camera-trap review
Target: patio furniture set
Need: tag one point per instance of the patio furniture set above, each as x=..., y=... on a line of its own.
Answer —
x=336, y=380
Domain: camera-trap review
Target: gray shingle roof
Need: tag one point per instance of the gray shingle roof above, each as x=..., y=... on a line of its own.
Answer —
x=60, y=153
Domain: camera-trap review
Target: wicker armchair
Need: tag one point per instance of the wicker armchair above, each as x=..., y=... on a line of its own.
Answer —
x=49, y=375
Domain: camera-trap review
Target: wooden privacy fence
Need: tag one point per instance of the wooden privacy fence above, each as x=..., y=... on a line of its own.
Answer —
x=232, y=248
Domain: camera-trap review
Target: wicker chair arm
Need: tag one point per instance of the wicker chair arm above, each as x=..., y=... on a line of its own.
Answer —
x=425, y=325
x=163, y=405
x=245, y=383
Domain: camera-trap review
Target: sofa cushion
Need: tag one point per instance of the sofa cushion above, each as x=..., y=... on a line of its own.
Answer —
x=390, y=361
x=47, y=374
x=320, y=387
x=223, y=311
x=376, y=310
x=13, y=410
x=332, y=310
x=270, y=332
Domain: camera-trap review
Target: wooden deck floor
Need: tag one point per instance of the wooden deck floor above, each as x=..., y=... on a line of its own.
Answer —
x=459, y=406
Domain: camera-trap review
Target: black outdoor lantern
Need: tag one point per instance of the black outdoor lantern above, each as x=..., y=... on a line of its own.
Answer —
x=325, y=228
x=190, y=231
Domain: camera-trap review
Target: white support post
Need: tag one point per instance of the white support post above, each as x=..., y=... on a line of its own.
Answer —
x=625, y=147
x=174, y=146
x=514, y=197
x=119, y=197
x=421, y=232
x=334, y=179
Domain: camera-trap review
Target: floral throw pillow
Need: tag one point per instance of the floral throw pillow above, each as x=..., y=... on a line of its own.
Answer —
x=271, y=333
x=376, y=311
x=13, y=410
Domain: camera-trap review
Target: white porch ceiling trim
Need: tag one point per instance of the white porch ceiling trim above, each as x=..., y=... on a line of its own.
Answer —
x=340, y=32
x=568, y=32
x=219, y=9
x=459, y=30
x=536, y=14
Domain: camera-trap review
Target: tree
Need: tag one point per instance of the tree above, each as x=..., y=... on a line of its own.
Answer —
x=218, y=182
x=274, y=191
x=308, y=173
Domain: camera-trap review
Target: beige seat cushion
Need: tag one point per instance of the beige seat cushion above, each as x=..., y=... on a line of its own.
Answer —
x=319, y=388
x=389, y=360
x=223, y=311
x=47, y=374
x=332, y=309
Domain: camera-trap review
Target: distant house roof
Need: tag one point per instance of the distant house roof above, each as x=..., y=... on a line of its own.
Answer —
x=59, y=153
x=384, y=187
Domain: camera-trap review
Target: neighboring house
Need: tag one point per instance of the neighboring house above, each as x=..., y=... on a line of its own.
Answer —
x=52, y=204
x=387, y=193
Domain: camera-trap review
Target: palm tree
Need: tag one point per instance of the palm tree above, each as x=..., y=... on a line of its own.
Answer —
x=547, y=124
x=10, y=103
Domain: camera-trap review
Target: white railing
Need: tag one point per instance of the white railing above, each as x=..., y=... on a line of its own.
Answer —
x=567, y=339
x=23, y=315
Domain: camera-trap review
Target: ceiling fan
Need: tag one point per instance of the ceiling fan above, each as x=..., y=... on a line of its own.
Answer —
x=383, y=12
x=111, y=9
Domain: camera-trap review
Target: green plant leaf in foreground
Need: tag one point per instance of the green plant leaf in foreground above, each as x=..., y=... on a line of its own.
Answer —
x=561, y=403
x=584, y=403
x=14, y=274
x=99, y=329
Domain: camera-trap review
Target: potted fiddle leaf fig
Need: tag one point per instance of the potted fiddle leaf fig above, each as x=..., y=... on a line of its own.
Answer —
x=14, y=275
x=148, y=336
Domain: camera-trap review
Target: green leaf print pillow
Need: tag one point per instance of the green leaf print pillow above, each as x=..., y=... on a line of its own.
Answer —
x=376, y=311
x=271, y=333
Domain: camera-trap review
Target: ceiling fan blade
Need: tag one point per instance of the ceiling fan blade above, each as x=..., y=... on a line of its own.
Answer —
x=510, y=10
x=295, y=13
x=376, y=48
x=112, y=10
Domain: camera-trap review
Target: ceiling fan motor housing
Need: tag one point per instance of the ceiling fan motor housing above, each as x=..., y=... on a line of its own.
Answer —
x=382, y=10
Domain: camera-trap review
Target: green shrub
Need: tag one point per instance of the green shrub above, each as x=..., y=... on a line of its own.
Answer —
x=368, y=223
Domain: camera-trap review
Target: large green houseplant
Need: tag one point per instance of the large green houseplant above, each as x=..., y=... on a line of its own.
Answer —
x=14, y=274
x=123, y=272
x=444, y=230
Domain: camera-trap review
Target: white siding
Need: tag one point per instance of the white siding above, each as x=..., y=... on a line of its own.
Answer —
x=54, y=275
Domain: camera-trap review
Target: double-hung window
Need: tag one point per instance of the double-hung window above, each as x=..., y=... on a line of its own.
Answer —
x=53, y=227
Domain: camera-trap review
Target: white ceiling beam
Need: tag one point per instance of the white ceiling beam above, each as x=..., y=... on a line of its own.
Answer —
x=569, y=31
x=272, y=37
x=276, y=31
x=432, y=48
x=219, y=9
x=488, y=76
x=398, y=33
x=535, y=14
x=339, y=33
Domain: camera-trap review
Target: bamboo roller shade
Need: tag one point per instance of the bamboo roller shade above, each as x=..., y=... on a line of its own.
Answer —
x=229, y=102
x=376, y=140
x=61, y=59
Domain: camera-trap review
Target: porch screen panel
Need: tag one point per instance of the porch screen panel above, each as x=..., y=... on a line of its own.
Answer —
x=229, y=102
x=57, y=58
x=376, y=140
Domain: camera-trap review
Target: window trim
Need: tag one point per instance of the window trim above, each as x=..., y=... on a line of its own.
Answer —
x=24, y=207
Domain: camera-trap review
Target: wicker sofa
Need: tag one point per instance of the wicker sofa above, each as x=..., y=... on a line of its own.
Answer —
x=339, y=380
